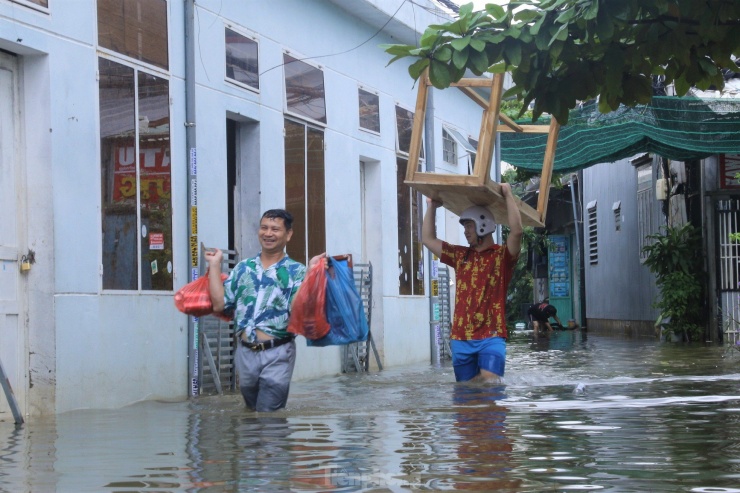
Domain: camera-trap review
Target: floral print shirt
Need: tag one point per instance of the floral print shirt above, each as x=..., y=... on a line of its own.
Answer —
x=481, y=282
x=261, y=298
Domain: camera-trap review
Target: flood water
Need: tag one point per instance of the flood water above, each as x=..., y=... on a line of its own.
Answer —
x=578, y=412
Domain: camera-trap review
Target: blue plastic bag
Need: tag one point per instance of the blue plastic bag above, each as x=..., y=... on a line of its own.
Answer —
x=344, y=309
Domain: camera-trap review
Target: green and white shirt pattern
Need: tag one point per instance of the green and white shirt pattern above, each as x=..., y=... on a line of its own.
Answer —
x=261, y=299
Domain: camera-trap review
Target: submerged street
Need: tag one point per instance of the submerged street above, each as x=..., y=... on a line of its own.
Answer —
x=577, y=412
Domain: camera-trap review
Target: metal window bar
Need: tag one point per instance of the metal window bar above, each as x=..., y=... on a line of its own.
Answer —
x=356, y=356
x=217, y=344
x=445, y=311
x=728, y=220
x=644, y=221
x=593, y=237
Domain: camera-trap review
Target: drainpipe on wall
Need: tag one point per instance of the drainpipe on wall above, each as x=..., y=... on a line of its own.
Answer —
x=497, y=176
x=192, y=198
x=435, y=330
x=578, y=222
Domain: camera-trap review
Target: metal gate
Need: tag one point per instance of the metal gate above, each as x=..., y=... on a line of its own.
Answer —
x=445, y=311
x=728, y=266
x=356, y=356
x=217, y=343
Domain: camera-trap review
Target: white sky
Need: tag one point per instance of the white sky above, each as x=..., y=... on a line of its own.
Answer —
x=480, y=4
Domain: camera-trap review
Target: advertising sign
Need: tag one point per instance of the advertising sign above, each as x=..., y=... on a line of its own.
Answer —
x=154, y=173
x=729, y=166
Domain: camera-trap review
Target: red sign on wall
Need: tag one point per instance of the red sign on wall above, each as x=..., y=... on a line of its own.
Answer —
x=729, y=166
x=154, y=176
x=156, y=241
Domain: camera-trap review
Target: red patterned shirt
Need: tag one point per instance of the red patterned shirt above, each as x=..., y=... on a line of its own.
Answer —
x=482, y=279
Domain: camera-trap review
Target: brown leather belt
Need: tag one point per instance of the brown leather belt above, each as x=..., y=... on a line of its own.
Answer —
x=268, y=344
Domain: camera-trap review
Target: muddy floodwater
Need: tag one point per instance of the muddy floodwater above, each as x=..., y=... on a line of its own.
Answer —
x=577, y=412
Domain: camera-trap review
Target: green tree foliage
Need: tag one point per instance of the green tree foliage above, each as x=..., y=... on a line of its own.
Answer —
x=675, y=257
x=560, y=52
x=521, y=287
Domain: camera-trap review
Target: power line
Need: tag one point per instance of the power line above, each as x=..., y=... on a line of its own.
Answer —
x=345, y=51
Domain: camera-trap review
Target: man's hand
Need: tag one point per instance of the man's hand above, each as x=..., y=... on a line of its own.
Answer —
x=433, y=203
x=514, y=240
x=214, y=257
x=318, y=258
x=428, y=229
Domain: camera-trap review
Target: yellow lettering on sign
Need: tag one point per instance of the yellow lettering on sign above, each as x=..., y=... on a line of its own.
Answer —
x=194, y=220
x=193, y=251
x=435, y=288
x=128, y=186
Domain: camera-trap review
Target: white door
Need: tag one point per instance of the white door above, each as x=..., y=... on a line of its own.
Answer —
x=372, y=244
x=12, y=332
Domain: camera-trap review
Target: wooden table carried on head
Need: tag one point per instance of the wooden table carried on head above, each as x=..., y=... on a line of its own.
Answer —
x=458, y=192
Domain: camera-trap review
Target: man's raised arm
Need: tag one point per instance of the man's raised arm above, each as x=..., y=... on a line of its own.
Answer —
x=516, y=231
x=428, y=228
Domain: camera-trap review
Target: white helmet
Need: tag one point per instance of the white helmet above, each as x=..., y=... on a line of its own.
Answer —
x=482, y=217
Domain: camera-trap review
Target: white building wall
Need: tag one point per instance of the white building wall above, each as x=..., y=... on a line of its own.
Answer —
x=96, y=349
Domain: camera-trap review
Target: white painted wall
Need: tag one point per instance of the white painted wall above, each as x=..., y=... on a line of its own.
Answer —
x=95, y=349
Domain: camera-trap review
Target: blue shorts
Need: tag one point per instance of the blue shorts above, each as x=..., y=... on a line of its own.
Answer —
x=469, y=357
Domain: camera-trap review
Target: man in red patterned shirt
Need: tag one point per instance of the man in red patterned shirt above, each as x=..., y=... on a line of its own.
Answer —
x=482, y=274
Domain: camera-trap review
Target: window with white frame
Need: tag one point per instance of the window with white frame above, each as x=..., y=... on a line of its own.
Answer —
x=464, y=150
x=404, y=127
x=305, y=190
x=304, y=89
x=369, y=109
x=593, y=234
x=449, y=148
x=136, y=209
x=136, y=178
x=644, y=207
x=242, y=59
x=33, y=3
x=410, y=253
x=135, y=28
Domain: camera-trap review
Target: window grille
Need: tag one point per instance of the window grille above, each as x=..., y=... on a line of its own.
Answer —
x=644, y=201
x=593, y=234
x=449, y=148
x=617, y=208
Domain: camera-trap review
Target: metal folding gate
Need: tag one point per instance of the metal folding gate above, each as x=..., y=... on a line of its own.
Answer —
x=445, y=312
x=728, y=266
x=217, y=343
x=356, y=356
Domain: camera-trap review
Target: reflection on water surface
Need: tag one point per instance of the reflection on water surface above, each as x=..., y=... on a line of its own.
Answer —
x=577, y=413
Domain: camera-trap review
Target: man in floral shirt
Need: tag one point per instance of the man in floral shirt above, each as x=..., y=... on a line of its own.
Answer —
x=258, y=293
x=482, y=274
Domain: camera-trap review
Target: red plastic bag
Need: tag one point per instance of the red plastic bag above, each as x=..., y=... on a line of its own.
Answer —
x=308, y=313
x=194, y=298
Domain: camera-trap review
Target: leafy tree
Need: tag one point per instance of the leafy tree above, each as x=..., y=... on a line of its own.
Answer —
x=521, y=287
x=675, y=257
x=560, y=52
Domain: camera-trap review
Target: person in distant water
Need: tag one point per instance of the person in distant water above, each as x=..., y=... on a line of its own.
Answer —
x=540, y=314
x=259, y=293
x=483, y=271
